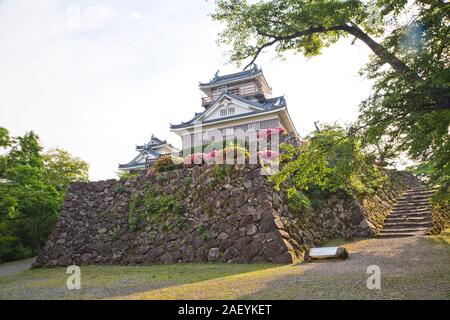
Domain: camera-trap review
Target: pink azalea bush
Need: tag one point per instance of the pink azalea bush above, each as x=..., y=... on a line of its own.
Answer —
x=209, y=157
x=268, y=132
x=268, y=154
x=195, y=158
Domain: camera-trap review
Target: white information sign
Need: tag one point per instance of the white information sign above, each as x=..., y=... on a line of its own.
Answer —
x=325, y=252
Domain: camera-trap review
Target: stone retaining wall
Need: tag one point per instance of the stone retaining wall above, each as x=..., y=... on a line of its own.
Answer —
x=212, y=213
x=228, y=213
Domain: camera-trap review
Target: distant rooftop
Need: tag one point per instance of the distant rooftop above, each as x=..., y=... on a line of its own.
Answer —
x=154, y=142
x=242, y=75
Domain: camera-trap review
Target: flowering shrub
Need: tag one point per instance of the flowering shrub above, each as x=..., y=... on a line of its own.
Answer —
x=236, y=151
x=151, y=172
x=268, y=154
x=267, y=133
x=209, y=157
x=165, y=164
x=195, y=158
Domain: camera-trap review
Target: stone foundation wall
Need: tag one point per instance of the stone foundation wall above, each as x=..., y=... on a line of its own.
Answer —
x=217, y=213
x=228, y=213
x=440, y=218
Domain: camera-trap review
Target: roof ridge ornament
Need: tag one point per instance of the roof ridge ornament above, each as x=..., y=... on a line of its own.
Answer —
x=216, y=75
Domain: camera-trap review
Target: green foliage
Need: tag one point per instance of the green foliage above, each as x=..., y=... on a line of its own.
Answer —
x=11, y=247
x=331, y=161
x=165, y=164
x=61, y=168
x=5, y=140
x=121, y=189
x=221, y=171
x=203, y=232
x=408, y=112
x=233, y=153
x=126, y=175
x=155, y=208
x=251, y=26
x=133, y=215
x=297, y=201
x=160, y=177
x=288, y=152
x=32, y=187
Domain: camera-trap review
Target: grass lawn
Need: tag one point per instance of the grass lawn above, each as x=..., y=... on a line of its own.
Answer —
x=110, y=281
x=412, y=268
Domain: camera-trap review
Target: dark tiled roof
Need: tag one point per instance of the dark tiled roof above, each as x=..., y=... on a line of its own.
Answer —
x=268, y=105
x=146, y=148
x=130, y=166
x=232, y=77
x=154, y=142
x=133, y=163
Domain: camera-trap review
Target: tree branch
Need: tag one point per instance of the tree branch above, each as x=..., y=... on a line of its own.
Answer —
x=276, y=39
x=398, y=65
x=442, y=98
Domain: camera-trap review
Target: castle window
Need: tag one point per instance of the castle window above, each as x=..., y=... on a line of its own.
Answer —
x=227, y=111
x=229, y=132
x=253, y=126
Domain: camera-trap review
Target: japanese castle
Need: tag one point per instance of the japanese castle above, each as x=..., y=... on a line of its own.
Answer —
x=148, y=153
x=230, y=102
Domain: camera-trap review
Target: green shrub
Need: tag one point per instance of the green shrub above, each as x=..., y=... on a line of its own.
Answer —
x=288, y=152
x=203, y=231
x=164, y=164
x=125, y=175
x=133, y=215
x=120, y=189
x=160, y=177
x=153, y=207
x=297, y=201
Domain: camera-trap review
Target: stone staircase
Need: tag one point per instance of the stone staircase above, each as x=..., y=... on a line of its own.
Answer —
x=410, y=216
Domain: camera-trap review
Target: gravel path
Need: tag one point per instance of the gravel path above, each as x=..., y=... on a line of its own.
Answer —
x=10, y=268
x=411, y=268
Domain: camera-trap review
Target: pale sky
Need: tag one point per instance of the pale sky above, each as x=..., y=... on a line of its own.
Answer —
x=98, y=77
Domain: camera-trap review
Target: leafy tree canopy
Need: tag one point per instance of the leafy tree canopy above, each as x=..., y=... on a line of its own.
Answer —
x=331, y=160
x=408, y=110
x=32, y=188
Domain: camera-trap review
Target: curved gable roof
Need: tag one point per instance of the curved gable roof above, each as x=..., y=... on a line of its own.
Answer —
x=259, y=107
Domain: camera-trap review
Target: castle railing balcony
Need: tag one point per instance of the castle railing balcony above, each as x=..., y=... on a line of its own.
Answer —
x=243, y=91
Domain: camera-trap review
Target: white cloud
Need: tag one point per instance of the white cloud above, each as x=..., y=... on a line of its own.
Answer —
x=106, y=82
x=82, y=19
x=135, y=15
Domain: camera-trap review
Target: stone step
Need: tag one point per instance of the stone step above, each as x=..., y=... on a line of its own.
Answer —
x=413, y=201
x=411, y=212
x=416, y=196
x=418, y=193
x=406, y=225
x=409, y=215
x=395, y=234
x=411, y=208
x=408, y=203
x=412, y=205
x=406, y=229
x=424, y=218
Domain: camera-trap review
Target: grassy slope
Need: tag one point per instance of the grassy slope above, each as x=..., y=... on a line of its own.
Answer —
x=106, y=281
x=414, y=268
